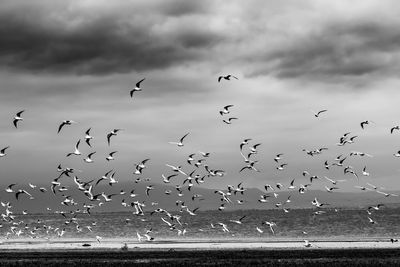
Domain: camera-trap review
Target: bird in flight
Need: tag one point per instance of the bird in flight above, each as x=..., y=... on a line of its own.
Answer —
x=76, y=152
x=137, y=87
x=180, y=143
x=225, y=110
x=65, y=122
x=18, y=118
x=112, y=133
x=3, y=151
x=363, y=123
x=229, y=120
x=88, y=137
x=397, y=127
x=227, y=77
x=316, y=114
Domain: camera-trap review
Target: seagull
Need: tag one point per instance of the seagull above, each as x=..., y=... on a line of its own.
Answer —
x=307, y=244
x=137, y=87
x=180, y=143
x=278, y=157
x=238, y=221
x=3, y=151
x=18, y=118
x=166, y=179
x=225, y=110
x=229, y=120
x=89, y=159
x=111, y=156
x=330, y=189
x=65, y=122
x=148, y=188
x=21, y=191
x=395, y=154
x=244, y=142
x=88, y=137
x=112, y=133
x=394, y=128
x=9, y=188
x=227, y=77
x=319, y=112
x=364, y=171
x=281, y=167
x=372, y=221
x=76, y=152
x=271, y=225
x=363, y=123
x=334, y=181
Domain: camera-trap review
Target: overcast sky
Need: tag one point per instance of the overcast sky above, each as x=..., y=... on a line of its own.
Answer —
x=78, y=60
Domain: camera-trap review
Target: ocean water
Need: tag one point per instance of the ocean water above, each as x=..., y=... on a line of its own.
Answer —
x=342, y=224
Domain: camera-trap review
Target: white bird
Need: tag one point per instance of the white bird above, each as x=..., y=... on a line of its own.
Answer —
x=271, y=225
x=167, y=179
x=76, y=152
x=316, y=114
x=229, y=120
x=397, y=127
x=18, y=118
x=88, y=137
x=225, y=110
x=364, y=171
x=3, y=151
x=137, y=87
x=111, y=156
x=180, y=143
x=111, y=134
x=397, y=154
x=372, y=221
x=226, y=77
x=89, y=158
x=238, y=221
x=63, y=123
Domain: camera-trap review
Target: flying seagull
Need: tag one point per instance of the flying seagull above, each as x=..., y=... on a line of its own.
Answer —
x=65, y=122
x=316, y=114
x=76, y=152
x=88, y=137
x=112, y=133
x=18, y=118
x=3, y=151
x=225, y=110
x=137, y=87
x=229, y=120
x=226, y=77
x=180, y=143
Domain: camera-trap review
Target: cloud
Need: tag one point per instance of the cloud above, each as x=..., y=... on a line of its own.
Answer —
x=334, y=49
x=64, y=38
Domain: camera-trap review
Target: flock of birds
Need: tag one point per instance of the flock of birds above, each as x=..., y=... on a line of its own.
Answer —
x=200, y=172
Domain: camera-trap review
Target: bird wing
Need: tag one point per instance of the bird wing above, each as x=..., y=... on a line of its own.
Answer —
x=60, y=127
x=184, y=137
x=219, y=78
x=138, y=83
x=15, y=121
x=108, y=138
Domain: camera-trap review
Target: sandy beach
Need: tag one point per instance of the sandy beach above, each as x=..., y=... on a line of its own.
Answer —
x=117, y=244
x=200, y=254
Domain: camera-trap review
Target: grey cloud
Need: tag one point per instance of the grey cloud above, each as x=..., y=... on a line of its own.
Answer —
x=336, y=51
x=52, y=41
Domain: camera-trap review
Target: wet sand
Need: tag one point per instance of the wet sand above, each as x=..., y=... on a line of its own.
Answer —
x=200, y=257
x=277, y=253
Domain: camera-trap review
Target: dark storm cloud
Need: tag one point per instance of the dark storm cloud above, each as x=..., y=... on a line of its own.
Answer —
x=53, y=40
x=335, y=51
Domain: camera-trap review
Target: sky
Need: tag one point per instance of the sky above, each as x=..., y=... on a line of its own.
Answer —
x=78, y=60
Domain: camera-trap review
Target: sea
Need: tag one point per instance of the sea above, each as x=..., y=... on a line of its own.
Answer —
x=272, y=224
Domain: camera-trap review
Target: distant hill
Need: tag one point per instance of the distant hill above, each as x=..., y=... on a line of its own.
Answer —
x=209, y=200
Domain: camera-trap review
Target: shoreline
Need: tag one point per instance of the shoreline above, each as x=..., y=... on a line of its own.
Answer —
x=117, y=244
